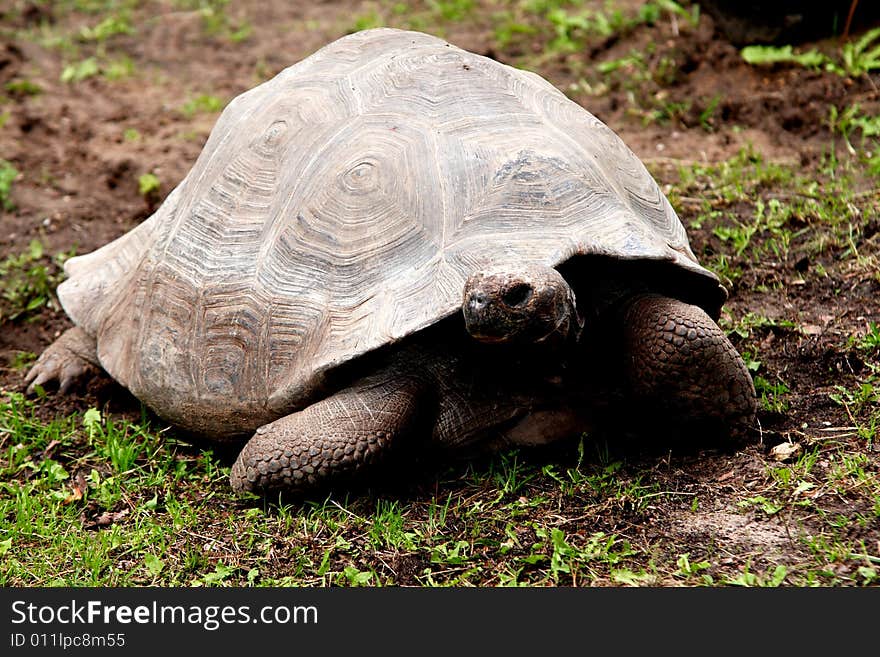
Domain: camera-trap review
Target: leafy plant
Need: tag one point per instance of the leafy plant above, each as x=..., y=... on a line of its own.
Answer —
x=215, y=20
x=856, y=399
x=650, y=12
x=869, y=342
x=148, y=184
x=8, y=174
x=203, y=103
x=772, y=394
x=860, y=57
x=81, y=70
x=110, y=26
x=451, y=10
x=856, y=58
x=706, y=120
x=149, y=187
x=23, y=87
x=27, y=281
x=748, y=578
x=367, y=21
x=783, y=55
x=117, y=69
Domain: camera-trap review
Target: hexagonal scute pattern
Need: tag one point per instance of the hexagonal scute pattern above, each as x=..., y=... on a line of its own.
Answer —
x=342, y=205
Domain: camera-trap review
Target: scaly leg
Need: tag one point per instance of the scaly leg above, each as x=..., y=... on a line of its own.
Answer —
x=680, y=362
x=66, y=360
x=340, y=435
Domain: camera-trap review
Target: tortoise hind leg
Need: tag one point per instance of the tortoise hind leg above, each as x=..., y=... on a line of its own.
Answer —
x=680, y=363
x=341, y=435
x=69, y=358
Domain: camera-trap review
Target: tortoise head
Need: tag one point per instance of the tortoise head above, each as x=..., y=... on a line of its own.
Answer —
x=528, y=304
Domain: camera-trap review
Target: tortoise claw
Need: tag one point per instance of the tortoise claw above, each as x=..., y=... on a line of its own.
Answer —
x=67, y=360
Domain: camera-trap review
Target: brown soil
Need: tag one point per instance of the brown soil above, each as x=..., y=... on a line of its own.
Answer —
x=79, y=188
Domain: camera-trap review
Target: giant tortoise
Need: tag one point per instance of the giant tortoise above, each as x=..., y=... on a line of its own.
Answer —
x=398, y=244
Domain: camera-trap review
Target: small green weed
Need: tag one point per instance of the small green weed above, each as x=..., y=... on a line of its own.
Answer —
x=651, y=12
x=216, y=20
x=735, y=179
x=751, y=321
x=120, y=445
x=707, y=121
x=387, y=527
x=149, y=185
x=117, y=69
x=8, y=174
x=202, y=104
x=868, y=342
x=851, y=119
x=859, y=57
x=111, y=26
x=855, y=58
x=451, y=10
x=862, y=404
x=28, y=281
x=509, y=30
x=634, y=60
x=572, y=29
x=570, y=558
x=772, y=395
x=747, y=578
x=770, y=507
x=759, y=55
x=688, y=568
x=23, y=87
x=367, y=21
x=21, y=360
x=567, y=26
x=81, y=70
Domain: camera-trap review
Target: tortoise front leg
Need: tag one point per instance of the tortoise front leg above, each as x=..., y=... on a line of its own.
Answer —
x=341, y=435
x=679, y=363
x=66, y=360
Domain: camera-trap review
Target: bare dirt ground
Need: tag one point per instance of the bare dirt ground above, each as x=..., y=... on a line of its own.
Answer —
x=689, y=100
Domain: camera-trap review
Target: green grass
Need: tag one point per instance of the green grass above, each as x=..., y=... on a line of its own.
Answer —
x=91, y=499
x=216, y=21
x=81, y=70
x=761, y=210
x=110, y=69
x=110, y=26
x=202, y=104
x=854, y=58
x=8, y=174
x=23, y=87
x=68, y=477
x=28, y=281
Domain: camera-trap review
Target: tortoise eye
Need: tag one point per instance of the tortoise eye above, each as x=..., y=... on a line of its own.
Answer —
x=518, y=294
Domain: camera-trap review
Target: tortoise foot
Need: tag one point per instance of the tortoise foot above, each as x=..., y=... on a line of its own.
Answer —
x=67, y=360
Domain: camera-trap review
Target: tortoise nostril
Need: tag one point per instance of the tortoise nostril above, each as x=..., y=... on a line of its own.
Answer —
x=517, y=295
x=476, y=300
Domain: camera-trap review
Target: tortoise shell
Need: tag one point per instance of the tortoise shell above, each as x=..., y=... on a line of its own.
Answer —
x=341, y=206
